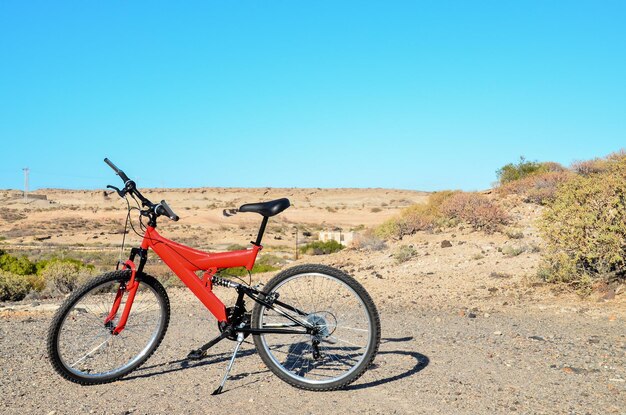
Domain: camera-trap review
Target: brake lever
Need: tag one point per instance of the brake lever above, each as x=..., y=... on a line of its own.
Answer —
x=120, y=193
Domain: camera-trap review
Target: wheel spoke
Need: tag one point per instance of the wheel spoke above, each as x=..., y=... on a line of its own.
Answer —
x=82, y=353
x=341, y=330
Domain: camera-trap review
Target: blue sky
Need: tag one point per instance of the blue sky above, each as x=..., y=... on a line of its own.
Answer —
x=419, y=95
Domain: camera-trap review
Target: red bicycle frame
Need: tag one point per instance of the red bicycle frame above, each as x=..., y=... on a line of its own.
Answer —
x=185, y=262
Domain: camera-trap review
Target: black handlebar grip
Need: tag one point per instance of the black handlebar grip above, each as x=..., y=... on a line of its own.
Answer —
x=167, y=211
x=119, y=172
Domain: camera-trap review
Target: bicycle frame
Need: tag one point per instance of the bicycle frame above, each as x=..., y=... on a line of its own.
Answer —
x=185, y=262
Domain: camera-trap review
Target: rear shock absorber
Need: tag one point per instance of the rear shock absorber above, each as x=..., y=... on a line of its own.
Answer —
x=217, y=280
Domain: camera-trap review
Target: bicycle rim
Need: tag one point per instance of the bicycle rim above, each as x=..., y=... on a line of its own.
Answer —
x=344, y=324
x=86, y=346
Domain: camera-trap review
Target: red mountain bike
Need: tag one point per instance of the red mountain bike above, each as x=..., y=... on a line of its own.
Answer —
x=314, y=326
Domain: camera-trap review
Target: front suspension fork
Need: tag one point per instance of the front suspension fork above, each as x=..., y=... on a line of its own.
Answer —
x=131, y=288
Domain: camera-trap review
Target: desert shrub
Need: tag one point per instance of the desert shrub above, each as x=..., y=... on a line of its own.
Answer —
x=368, y=241
x=376, y=210
x=589, y=167
x=13, y=287
x=443, y=209
x=523, y=168
x=513, y=251
x=585, y=227
x=321, y=248
x=17, y=265
x=64, y=276
x=475, y=209
x=419, y=217
x=515, y=234
x=538, y=188
x=403, y=253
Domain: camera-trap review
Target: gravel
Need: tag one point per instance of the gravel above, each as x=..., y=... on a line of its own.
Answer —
x=430, y=361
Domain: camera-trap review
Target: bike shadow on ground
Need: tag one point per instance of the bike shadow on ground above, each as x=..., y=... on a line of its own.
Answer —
x=421, y=362
x=184, y=364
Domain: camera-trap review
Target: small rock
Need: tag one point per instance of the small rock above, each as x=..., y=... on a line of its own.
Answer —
x=446, y=244
x=497, y=333
x=594, y=340
x=487, y=315
x=538, y=338
x=471, y=315
x=52, y=412
x=610, y=294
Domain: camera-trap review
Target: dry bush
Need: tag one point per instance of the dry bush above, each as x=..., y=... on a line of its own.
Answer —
x=13, y=287
x=445, y=209
x=537, y=188
x=403, y=253
x=475, y=209
x=585, y=227
x=589, y=167
x=64, y=276
x=420, y=217
x=368, y=241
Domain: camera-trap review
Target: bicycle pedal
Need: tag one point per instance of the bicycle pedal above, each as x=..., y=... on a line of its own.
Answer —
x=197, y=354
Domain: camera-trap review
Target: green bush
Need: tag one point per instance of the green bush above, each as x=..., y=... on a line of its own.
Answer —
x=321, y=248
x=53, y=276
x=585, y=227
x=524, y=168
x=13, y=287
x=17, y=265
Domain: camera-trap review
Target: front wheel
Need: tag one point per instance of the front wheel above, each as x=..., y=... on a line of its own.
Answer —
x=82, y=346
x=345, y=326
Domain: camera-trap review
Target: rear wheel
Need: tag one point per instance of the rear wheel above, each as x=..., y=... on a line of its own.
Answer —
x=83, y=348
x=345, y=328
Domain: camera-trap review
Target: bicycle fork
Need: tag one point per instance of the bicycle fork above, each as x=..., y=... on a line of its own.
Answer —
x=131, y=289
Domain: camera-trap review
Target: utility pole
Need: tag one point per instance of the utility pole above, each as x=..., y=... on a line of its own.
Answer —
x=26, y=170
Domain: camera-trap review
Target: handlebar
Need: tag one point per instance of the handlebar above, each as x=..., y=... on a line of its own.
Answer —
x=119, y=172
x=164, y=209
x=130, y=187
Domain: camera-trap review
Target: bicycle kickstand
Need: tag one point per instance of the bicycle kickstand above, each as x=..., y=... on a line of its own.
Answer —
x=200, y=353
x=240, y=338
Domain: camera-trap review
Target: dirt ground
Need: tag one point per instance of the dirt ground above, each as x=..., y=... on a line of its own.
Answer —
x=466, y=326
x=528, y=359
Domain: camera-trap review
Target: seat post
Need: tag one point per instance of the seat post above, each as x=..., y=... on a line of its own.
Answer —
x=261, y=231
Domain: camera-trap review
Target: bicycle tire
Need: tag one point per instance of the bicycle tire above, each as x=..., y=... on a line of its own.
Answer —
x=81, y=312
x=292, y=357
